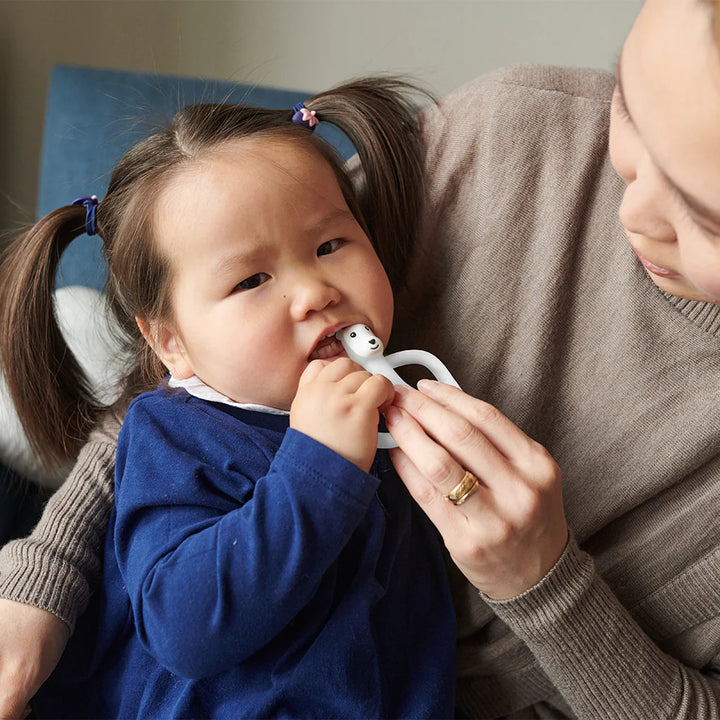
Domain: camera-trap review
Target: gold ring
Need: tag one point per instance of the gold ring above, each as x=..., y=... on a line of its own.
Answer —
x=464, y=489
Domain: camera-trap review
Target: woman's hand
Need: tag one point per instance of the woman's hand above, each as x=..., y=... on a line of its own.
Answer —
x=338, y=404
x=511, y=530
x=31, y=643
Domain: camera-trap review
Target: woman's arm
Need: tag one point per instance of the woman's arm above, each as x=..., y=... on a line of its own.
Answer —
x=32, y=642
x=47, y=578
x=508, y=539
x=597, y=655
x=57, y=567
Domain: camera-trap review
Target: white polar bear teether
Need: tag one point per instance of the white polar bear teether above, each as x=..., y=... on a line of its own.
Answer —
x=364, y=348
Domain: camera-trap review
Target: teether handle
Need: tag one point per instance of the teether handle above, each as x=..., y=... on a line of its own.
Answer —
x=427, y=360
x=385, y=441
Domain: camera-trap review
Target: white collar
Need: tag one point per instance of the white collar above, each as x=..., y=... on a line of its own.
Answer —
x=196, y=387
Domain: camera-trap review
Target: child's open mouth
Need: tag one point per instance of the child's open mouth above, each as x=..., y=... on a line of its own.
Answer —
x=328, y=347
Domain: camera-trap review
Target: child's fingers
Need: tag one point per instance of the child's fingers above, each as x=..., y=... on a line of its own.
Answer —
x=312, y=371
x=376, y=390
x=328, y=370
x=336, y=370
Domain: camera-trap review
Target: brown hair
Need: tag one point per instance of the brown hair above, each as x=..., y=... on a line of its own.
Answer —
x=52, y=397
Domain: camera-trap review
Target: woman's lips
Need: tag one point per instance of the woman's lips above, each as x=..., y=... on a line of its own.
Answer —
x=656, y=269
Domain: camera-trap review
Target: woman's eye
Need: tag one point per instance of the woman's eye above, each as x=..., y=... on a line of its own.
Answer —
x=329, y=247
x=253, y=281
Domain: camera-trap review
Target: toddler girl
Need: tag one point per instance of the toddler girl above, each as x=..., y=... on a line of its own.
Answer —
x=262, y=560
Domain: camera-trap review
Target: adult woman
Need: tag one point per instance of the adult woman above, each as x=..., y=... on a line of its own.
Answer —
x=604, y=355
x=643, y=640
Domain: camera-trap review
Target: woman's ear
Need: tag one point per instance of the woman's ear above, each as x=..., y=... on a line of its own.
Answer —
x=168, y=346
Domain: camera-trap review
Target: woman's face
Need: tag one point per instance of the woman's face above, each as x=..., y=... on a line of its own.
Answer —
x=665, y=144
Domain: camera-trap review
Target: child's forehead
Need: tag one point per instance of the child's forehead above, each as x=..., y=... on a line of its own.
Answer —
x=272, y=168
x=265, y=166
x=255, y=169
x=253, y=185
x=282, y=153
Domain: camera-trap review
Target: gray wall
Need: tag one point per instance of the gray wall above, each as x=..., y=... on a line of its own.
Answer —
x=307, y=44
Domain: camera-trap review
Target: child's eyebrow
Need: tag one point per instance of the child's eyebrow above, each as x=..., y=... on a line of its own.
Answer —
x=695, y=204
x=228, y=263
x=338, y=216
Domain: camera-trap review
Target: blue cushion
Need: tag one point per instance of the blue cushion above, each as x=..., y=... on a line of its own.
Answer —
x=94, y=116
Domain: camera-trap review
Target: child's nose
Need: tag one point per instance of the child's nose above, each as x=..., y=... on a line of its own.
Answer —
x=313, y=294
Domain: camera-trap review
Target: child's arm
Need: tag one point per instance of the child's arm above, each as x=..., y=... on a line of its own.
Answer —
x=219, y=560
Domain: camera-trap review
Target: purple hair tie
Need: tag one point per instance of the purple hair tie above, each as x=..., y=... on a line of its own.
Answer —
x=90, y=202
x=304, y=117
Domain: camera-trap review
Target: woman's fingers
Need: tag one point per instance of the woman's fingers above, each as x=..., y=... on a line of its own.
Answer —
x=451, y=520
x=434, y=471
x=469, y=425
x=511, y=529
x=457, y=442
x=434, y=505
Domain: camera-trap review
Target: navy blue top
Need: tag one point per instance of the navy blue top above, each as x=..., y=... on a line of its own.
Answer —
x=250, y=571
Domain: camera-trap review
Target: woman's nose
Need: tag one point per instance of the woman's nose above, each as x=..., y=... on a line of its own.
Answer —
x=645, y=208
x=313, y=293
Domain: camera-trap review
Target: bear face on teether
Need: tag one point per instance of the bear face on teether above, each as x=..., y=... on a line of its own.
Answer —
x=365, y=348
x=359, y=342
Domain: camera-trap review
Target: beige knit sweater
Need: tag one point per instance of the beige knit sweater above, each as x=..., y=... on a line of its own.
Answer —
x=525, y=286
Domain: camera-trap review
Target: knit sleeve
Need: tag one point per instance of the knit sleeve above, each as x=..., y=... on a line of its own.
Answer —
x=595, y=653
x=57, y=567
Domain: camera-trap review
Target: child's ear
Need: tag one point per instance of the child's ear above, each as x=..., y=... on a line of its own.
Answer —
x=168, y=346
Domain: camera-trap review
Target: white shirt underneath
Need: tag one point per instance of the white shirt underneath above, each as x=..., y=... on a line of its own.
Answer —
x=196, y=387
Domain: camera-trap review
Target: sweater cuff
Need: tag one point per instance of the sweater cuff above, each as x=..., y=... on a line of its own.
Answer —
x=59, y=565
x=551, y=598
x=586, y=641
x=28, y=576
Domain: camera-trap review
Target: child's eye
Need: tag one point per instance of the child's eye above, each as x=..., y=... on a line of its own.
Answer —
x=329, y=247
x=253, y=281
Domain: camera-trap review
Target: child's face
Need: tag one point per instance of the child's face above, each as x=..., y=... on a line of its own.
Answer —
x=266, y=261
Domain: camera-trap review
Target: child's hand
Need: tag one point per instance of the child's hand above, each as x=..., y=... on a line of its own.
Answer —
x=338, y=404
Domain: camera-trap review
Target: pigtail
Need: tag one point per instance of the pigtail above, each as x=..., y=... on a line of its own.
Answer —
x=379, y=117
x=50, y=392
